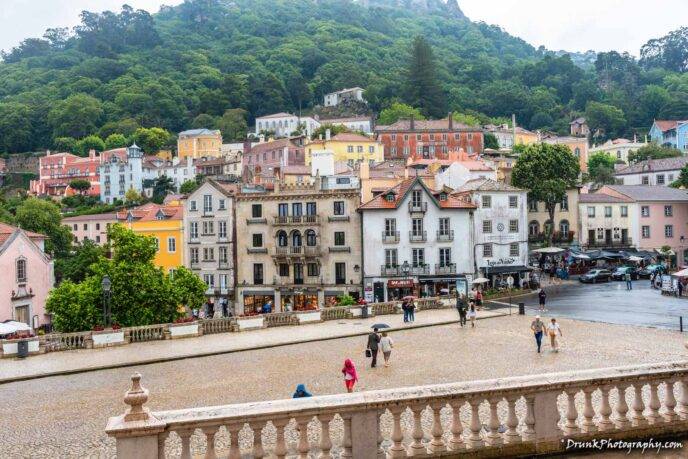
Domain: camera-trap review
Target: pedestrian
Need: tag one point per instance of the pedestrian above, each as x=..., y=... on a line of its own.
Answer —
x=552, y=272
x=472, y=315
x=653, y=276
x=680, y=288
x=479, y=299
x=542, y=297
x=538, y=327
x=350, y=375
x=412, y=310
x=373, y=342
x=301, y=392
x=552, y=330
x=461, y=307
x=224, y=303
x=405, y=308
x=386, y=344
x=629, y=280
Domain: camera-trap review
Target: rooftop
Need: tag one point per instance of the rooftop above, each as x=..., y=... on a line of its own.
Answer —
x=651, y=193
x=90, y=217
x=600, y=198
x=344, y=120
x=426, y=125
x=8, y=230
x=655, y=165
x=667, y=125
x=399, y=192
x=199, y=132
x=486, y=184
x=151, y=212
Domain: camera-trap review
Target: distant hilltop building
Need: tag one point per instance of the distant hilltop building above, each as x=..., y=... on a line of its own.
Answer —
x=335, y=98
x=670, y=133
x=284, y=124
x=199, y=143
x=579, y=127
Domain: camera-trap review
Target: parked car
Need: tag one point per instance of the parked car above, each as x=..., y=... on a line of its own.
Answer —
x=620, y=273
x=648, y=270
x=596, y=275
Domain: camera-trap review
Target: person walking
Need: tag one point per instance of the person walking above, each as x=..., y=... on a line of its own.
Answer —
x=350, y=375
x=552, y=330
x=267, y=307
x=680, y=288
x=542, y=296
x=373, y=345
x=461, y=307
x=405, y=308
x=479, y=298
x=301, y=392
x=412, y=310
x=538, y=327
x=386, y=344
x=629, y=280
x=472, y=315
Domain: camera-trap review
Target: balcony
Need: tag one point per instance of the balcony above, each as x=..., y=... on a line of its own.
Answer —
x=445, y=236
x=338, y=218
x=256, y=250
x=224, y=265
x=257, y=221
x=339, y=248
x=195, y=264
x=445, y=269
x=390, y=237
x=297, y=251
x=610, y=243
x=295, y=220
x=421, y=236
x=418, y=207
x=420, y=270
x=389, y=270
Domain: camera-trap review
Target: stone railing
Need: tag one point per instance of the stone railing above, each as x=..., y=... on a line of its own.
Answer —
x=337, y=313
x=146, y=333
x=65, y=341
x=518, y=416
x=280, y=319
x=218, y=325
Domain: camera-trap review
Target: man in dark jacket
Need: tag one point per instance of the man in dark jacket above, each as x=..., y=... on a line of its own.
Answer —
x=461, y=307
x=373, y=341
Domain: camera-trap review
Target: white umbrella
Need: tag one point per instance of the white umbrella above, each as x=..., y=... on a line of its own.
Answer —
x=21, y=326
x=682, y=273
x=481, y=280
x=10, y=327
x=634, y=258
x=548, y=250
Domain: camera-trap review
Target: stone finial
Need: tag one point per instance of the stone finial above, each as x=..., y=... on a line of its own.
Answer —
x=136, y=397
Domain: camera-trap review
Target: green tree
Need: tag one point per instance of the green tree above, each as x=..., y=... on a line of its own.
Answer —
x=189, y=287
x=65, y=144
x=652, y=151
x=75, y=307
x=16, y=130
x=682, y=181
x=204, y=121
x=152, y=140
x=115, y=141
x=601, y=168
x=161, y=187
x=233, y=125
x=333, y=128
x=77, y=116
x=189, y=186
x=546, y=171
x=491, y=141
x=423, y=88
x=91, y=142
x=43, y=216
x=80, y=185
x=132, y=197
x=607, y=118
x=398, y=111
x=76, y=267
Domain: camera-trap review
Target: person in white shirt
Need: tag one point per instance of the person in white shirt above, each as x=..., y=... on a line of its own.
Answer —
x=386, y=345
x=552, y=330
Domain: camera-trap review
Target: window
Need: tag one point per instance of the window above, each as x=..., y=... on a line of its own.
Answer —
x=257, y=210
x=193, y=230
x=340, y=273
x=445, y=256
x=668, y=230
x=416, y=198
x=513, y=249
x=660, y=179
x=608, y=211
x=258, y=273
x=394, y=137
x=487, y=202
x=487, y=226
x=339, y=239
x=283, y=270
x=513, y=226
x=645, y=180
x=21, y=270
x=339, y=207
x=192, y=206
x=296, y=209
x=209, y=279
x=208, y=254
x=223, y=281
x=591, y=211
x=359, y=149
x=618, y=154
x=564, y=228
x=671, y=178
x=668, y=211
x=390, y=226
x=624, y=211
x=600, y=234
x=222, y=254
x=418, y=257
x=282, y=239
x=283, y=209
x=417, y=226
x=646, y=231
x=296, y=239
x=645, y=211
x=97, y=238
x=564, y=204
x=487, y=250
x=208, y=228
x=207, y=203
x=85, y=226
x=391, y=259
x=97, y=226
x=221, y=204
x=513, y=202
x=311, y=208
x=533, y=228
x=532, y=206
x=349, y=148
x=418, y=137
x=389, y=197
x=371, y=149
x=222, y=229
x=257, y=240
x=194, y=255
x=393, y=151
x=171, y=244
x=75, y=227
x=311, y=270
x=444, y=226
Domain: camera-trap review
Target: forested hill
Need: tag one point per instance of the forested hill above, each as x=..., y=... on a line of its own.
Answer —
x=185, y=66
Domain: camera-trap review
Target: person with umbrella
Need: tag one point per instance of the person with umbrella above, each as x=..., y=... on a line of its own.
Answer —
x=373, y=342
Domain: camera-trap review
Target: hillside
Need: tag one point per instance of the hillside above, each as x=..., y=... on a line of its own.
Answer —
x=186, y=65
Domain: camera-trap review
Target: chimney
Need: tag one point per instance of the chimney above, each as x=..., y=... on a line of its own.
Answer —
x=451, y=121
x=327, y=134
x=247, y=146
x=364, y=170
x=91, y=153
x=413, y=123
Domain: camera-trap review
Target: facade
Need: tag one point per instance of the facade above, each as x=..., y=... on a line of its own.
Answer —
x=178, y=170
x=91, y=227
x=285, y=124
x=165, y=224
x=459, y=172
x=210, y=237
x=348, y=147
x=199, y=143
x=606, y=221
x=670, y=133
x=27, y=276
x=428, y=139
x=349, y=94
x=578, y=146
x=652, y=172
x=356, y=124
x=417, y=241
x=579, y=127
x=508, y=137
x=227, y=165
x=300, y=247
x=500, y=235
x=119, y=172
x=619, y=149
x=56, y=170
x=275, y=153
x=565, y=220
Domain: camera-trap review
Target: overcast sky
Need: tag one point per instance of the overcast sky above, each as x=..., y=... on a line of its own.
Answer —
x=580, y=25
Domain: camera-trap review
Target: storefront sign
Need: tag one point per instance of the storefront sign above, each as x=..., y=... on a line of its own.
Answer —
x=400, y=283
x=501, y=262
x=462, y=286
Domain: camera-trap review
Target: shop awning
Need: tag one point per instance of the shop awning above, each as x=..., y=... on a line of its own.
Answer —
x=259, y=292
x=448, y=277
x=507, y=269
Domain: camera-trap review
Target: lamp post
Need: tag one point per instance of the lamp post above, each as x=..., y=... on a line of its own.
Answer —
x=106, y=285
x=406, y=268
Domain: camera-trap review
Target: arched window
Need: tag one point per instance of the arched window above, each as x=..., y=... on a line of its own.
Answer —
x=21, y=270
x=533, y=228
x=296, y=240
x=564, y=228
x=282, y=239
x=311, y=239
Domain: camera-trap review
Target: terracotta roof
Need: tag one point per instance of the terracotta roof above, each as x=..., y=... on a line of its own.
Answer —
x=295, y=169
x=486, y=184
x=91, y=217
x=667, y=125
x=344, y=120
x=149, y=212
x=399, y=191
x=273, y=145
x=655, y=165
x=427, y=125
x=276, y=115
x=7, y=230
x=601, y=198
x=351, y=137
x=651, y=193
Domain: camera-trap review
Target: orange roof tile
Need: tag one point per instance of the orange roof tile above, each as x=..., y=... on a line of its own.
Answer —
x=400, y=190
x=149, y=212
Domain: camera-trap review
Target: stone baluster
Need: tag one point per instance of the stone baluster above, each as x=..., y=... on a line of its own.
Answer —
x=622, y=420
x=437, y=443
x=654, y=405
x=380, y=439
x=529, y=432
x=303, y=446
x=605, y=410
x=456, y=443
x=397, y=449
x=494, y=438
x=346, y=444
x=162, y=438
x=280, y=441
x=258, y=451
x=512, y=435
x=571, y=425
x=638, y=405
x=670, y=402
x=185, y=436
x=417, y=448
x=210, y=442
x=588, y=411
x=683, y=401
x=234, y=450
x=474, y=439
x=325, y=440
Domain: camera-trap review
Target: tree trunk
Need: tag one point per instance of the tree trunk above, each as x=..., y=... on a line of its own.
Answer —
x=550, y=209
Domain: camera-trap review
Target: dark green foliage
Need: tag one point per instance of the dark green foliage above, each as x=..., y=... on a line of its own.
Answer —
x=423, y=88
x=491, y=141
x=652, y=151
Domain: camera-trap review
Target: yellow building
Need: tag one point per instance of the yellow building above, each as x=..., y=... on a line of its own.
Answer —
x=348, y=147
x=199, y=143
x=165, y=224
x=525, y=137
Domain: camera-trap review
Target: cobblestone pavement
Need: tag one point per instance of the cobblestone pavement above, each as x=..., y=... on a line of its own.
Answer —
x=65, y=416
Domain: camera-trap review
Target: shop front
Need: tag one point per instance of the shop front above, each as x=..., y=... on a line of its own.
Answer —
x=399, y=288
x=436, y=286
x=298, y=299
x=498, y=275
x=332, y=296
x=255, y=299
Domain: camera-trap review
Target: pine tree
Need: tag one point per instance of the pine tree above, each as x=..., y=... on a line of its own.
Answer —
x=423, y=87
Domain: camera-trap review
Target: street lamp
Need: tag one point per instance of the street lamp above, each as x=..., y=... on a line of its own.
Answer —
x=106, y=285
x=406, y=268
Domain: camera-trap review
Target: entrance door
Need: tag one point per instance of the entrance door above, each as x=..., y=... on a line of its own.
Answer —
x=591, y=237
x=624, y=236
x=608, y=237
x=379, y=292
x=21, y=314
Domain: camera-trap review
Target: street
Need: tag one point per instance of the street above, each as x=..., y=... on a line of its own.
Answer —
x=610, y=302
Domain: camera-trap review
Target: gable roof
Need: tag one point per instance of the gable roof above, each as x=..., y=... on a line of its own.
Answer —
x=667, y=125
x=351, y=137
x=272, y=145
x=579, y=120
x=598, y=197
x=651, y=193
x=7, y=230
x=150, y=212
x=654, y=165
x=486, y=184
x=402, y=189
x=427, y=125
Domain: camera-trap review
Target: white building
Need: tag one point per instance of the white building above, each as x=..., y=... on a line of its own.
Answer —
x=358, y=123
x=284, y=124
x=460, y=172
x=653, y=172
x=416, y=241
x=500, y=243
x=118, y=175
x=619, y=149
x=335, y=98
x=155, y=167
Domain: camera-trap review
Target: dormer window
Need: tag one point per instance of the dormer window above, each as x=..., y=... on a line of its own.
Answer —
x=160, y=216
x=389, y=197
x=443, y=196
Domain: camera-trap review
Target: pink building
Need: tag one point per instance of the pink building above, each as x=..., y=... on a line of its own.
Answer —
x=27, y=276
x=93, y=227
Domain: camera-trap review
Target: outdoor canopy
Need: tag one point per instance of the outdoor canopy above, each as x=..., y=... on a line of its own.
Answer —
x=548, y=250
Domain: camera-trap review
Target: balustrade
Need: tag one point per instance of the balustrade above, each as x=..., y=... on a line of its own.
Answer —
x=64, y=341
x=219, y=325
x=147, y=333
